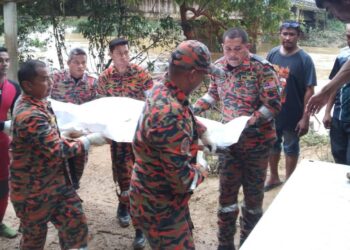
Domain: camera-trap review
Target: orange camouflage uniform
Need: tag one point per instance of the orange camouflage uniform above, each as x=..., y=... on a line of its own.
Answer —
x=133, y=84
x=66, y=89
x=165, y=145
x=38, y=186
x=246, y=89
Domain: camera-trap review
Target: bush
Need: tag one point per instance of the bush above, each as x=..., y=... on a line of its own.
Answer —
x=331, y=36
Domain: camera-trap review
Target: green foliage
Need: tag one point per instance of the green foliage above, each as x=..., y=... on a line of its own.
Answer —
x=99, y=26
x=261, y=17
x=331, y=35
x=314, y=139
x=32, y=20
x=107, y=19
x=257, y=17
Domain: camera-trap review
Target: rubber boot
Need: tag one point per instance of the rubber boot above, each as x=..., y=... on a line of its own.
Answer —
x=123, y=215
x=139, y=241
x=248, y=220
x=7, y=232
x=227, y=229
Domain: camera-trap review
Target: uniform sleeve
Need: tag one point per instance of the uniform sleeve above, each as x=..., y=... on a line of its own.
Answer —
x=147, y=80
x=18, y=93
x=208, y=100
x=101, y=84
x=201, y=128
x=93, y=89
x=268, y=95
x=54, y=89
x=173, y=143
x=37, y=131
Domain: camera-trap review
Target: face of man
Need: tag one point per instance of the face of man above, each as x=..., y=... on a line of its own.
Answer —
x=40, y=86
x=235, y=51
x=289, y=38
x=4, y=63
x=191, y=80
x=340, y=10
x=120, y=56
x=77, y=66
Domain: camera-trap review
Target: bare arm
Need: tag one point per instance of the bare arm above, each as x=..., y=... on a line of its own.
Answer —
x=327, y=115
x=317, y=101
x=303, y=125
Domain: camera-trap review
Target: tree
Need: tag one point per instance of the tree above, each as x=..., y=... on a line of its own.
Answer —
x=256, y=16
x=117, y=18
x=261, y=17
x=38, y=16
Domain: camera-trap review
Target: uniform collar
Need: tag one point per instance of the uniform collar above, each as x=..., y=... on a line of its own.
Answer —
x=69, y=76
x=116, y=71
x=35, y=101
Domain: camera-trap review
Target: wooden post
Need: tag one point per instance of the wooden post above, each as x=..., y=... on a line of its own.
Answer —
x=10, y=23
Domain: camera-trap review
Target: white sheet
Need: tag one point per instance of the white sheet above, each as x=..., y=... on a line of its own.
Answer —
x=116, y=118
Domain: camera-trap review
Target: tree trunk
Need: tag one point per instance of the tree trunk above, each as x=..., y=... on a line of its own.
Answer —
x=58, y=33
x=185, y=24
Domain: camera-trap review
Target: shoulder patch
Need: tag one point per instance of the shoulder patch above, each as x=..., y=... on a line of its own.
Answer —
x=260, y=59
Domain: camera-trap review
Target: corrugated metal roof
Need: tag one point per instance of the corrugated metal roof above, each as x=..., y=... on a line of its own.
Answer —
x=305, y=4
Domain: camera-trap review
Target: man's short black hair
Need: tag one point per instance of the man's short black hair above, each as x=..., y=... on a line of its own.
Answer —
x=290, y=24
x=117, y=42
x=3, y=49
x=235, y=33
x=76, y=52
x=28, y=70
x=320, y=3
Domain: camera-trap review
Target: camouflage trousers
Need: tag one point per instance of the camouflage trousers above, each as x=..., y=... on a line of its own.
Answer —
x=244, y=167
x=171, y=232
x=63, y=211
x=76, y=168
x=122, y=164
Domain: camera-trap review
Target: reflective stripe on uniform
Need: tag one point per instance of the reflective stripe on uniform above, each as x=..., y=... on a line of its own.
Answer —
x=266, y=113
x=208, y=98
x=195, y=180
x=229, y=209
x=253, y=210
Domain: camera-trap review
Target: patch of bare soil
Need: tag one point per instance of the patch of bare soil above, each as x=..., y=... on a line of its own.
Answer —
x=97, y=191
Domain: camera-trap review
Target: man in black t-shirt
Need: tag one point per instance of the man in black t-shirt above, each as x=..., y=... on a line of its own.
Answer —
x=292, y=122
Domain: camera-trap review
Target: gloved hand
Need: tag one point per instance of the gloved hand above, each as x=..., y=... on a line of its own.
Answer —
x=96, y=139
x=7, y=127
x=207, y=142
x=202, y=164
x=93, y=139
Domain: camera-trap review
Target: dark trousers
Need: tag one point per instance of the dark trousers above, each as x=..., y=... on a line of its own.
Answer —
x=340, y=141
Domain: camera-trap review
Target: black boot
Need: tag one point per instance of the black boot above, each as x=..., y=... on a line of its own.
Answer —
x=123, y=215
x=139, y=241
x=248, y=220
x=230, y=247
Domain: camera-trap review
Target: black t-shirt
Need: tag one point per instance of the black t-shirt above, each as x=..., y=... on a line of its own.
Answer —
x=302, y=74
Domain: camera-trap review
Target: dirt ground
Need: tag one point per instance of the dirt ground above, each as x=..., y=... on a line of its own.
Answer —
x=97, y=191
